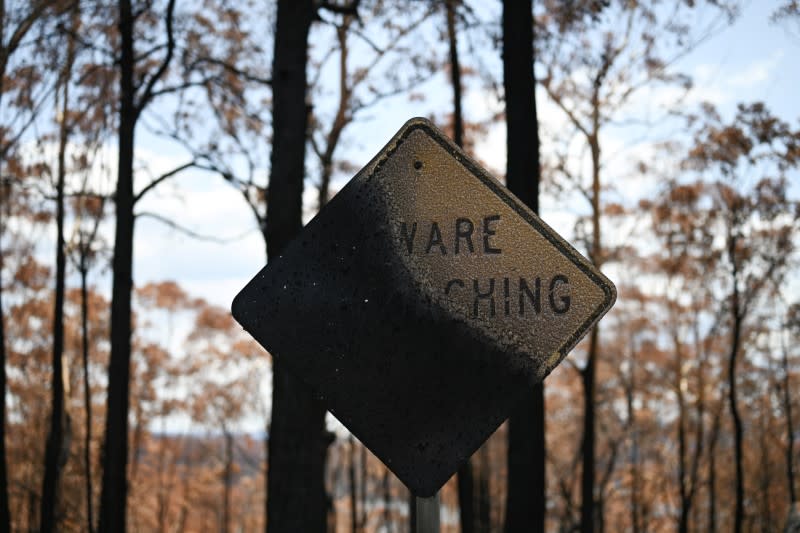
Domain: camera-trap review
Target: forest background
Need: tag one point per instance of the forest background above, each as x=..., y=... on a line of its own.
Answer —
x=669, y=142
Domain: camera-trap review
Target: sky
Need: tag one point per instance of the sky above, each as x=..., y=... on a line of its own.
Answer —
x=753, y=60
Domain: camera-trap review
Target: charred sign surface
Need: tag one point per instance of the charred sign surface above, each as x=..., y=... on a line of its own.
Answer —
x=421, y=303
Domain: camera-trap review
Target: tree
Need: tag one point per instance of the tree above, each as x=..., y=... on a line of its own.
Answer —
x=131, y=104
x=526, y=498
x=297, y=445
x=228, y=383
x=225, y=152
x=219, y=110
x=156, y=374
x=684, y=235
x=5, y=515
x=757, y=224
x=17, y=22
x=89, y=213
x=377, y=59
x=30, y=367
x=793, y=326
x=55, y=452
x=788, y=15
x=616, y=63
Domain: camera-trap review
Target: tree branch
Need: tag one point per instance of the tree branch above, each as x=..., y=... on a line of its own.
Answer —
x=341, y=9
x=180, y=87
x=150, y=186
x=147, y=94
x=232, y=69
x=560, y=103
x=243, y=187
x=193, y=234
x=24, y=26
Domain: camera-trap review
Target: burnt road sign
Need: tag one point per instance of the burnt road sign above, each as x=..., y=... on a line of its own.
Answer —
x=421, y=303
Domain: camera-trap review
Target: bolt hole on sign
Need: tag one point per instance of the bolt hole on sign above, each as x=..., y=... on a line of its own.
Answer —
x=421, y=303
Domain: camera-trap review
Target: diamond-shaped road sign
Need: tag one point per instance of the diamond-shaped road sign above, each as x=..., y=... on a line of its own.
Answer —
x=421, y=303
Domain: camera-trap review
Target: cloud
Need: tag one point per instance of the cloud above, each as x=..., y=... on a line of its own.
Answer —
x=207, y=206
x=756, y=73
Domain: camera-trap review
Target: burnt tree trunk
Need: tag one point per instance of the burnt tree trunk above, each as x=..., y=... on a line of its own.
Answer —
x=297, y=440
x=736, y=334
x=764, y=474
x=114, y=493
x=631, y=428
x=412, y=513
x=787, y=413
x=589, y=514
x=588, y=446
x=55, y=438
x=363, y=481
x=387, y=500
x=87, y=391
x=5, y=514
x=342, y=118
x=525, y=500
x=351, y=477
x=227, y=480
x=115, y=450
x=483, y=496
x=455, y=73
x=683, y=489
x=712, y=474
x=700, y=429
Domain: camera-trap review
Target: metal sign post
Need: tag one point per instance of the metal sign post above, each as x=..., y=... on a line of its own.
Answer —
x=427, y=514
x=421, y=304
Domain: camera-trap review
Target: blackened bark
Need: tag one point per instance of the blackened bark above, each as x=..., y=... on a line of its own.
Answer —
x=522, y=142
x=387, y=501
x=700, y=439
x=412, y=513
x=764, y=474
x=114, y=494
x=351, y=476
x=588, y=445
x=589, y=513
x=455, y=73
x=87, y=391
x=787, y=413
x=84, y=250
x=484, y=498
x=686, y=502
x=683, y=489
x=297, y=440
x=55, y=438
x=5, y=514
x=631, y=429
x=30, y=511
x=688, y=507
x=163, y=491
x=363, y=477
x=712, y=474
x=525, y=500
x=115, y=450
x=466, y=497
x=341, y=120
x=737, y=317
x=227, y=480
